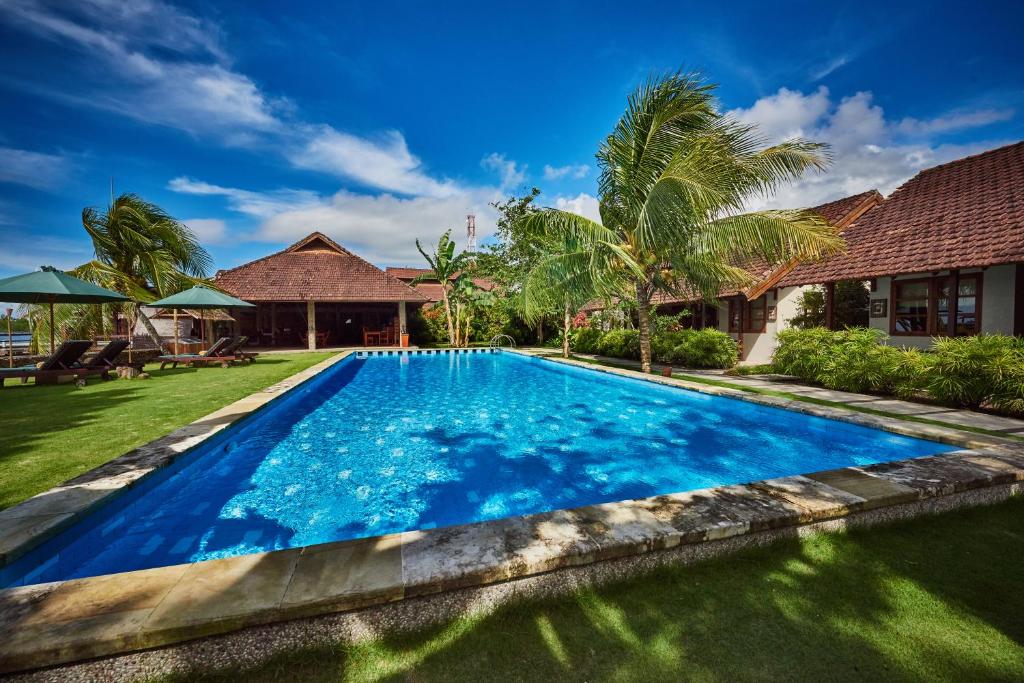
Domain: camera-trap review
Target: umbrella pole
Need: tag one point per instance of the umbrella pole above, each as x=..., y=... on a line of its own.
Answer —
x=51, y=328
x=175, y=331
x=202, y=331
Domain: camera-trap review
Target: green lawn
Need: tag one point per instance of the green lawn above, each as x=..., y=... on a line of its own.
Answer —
x=49, y=434
x=939, y=598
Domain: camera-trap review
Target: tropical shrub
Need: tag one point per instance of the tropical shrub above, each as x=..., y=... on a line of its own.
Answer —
x=620, y=344
x=585, y=339
x=986, y=370
x=707, y=348
x=969, y=371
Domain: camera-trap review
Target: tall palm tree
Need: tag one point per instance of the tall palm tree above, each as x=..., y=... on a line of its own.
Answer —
x=141, y=252
x=676, y=175
x=445, y=267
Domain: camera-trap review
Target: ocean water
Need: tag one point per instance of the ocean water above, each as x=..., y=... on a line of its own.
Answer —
x=394, y=443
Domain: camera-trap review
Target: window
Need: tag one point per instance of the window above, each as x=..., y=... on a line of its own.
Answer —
x=910, y=307
x=748, y=316
x=757, y=315
x=922, y=307
x=967, y=318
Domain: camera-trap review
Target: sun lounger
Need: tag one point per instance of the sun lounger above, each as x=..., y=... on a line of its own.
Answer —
x=211, y=355
x=107, y=355
x=65, y=361
x=235, y=348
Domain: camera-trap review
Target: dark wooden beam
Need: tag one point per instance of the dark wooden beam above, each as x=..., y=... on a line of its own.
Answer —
x=954, y=302
x=830, y=305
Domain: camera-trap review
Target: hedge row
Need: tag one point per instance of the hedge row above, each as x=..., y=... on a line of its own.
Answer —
x=986, y=370
x=705, y=348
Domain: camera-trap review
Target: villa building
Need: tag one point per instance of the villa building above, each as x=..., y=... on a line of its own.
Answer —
x=958, y=227
x=955, y=227
x=316, y=294
x=754, y=315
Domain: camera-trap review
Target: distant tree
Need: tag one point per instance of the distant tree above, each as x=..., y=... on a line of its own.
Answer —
x=445, y=267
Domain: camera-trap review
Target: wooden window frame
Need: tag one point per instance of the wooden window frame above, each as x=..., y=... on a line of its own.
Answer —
x=932, y=317
x=748, y=324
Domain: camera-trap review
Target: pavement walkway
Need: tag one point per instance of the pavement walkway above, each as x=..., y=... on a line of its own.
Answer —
x=888, y=404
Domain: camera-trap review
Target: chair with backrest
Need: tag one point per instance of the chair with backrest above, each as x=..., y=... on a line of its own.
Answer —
x=65, y=361
x=211, y=355
x=107, y=355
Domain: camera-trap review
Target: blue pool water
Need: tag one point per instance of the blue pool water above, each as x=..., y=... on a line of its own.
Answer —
x=394, y=443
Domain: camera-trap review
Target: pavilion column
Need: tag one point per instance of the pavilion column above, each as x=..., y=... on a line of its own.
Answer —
x=401, y=318
x=311, y=324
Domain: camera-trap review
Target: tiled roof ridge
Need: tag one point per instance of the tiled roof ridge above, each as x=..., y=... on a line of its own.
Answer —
x=342, y=252
x=962, y=160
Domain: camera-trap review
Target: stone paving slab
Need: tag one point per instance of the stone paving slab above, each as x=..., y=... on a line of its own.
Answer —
x=59, y=622
x=875, y=491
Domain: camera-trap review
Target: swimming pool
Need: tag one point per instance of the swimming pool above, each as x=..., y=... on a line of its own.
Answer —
x=390, y=443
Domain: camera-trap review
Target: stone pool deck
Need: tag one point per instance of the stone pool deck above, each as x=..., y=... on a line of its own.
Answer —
x=953, y=417
x=354, y=588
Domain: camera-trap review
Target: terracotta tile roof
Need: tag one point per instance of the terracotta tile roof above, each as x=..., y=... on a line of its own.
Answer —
x=967, y=213
x=405, y=273
x=314, y=268
x=431, y=288
x=839, y=213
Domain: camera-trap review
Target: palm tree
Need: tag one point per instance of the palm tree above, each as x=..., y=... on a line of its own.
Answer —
x=141, y=252
x=559, y=281
x=675, y=177
x=445, y=267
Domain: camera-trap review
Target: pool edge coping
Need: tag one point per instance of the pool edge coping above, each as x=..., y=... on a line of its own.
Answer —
x=65, y=621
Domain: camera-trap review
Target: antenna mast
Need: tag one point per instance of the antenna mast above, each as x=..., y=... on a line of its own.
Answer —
x=471, y=233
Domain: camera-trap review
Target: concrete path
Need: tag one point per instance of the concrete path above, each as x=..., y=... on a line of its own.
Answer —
x=952, y=416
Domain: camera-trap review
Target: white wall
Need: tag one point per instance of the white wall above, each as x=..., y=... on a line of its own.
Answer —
x=758, y=347
x=165, y=326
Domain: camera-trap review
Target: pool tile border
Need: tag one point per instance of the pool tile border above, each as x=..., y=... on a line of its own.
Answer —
x=48, y=624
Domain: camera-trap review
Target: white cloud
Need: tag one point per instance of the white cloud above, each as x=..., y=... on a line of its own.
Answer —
x=573, y=171
x=582, y=204
x=829, y=67
x=384, y=162
x=250, y=203
x=381, y=228
x=786, y=114
x=24, y=252
x=512, y=175
x=954, y=121
x=869, y=151
x=32, y=169
x=208, y=230
x=196, y=91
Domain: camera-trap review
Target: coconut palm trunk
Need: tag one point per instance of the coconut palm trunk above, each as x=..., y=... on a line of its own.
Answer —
x=150, y=329
x=643, y=317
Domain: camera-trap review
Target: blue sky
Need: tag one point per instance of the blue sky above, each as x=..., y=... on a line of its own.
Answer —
x=377, y=123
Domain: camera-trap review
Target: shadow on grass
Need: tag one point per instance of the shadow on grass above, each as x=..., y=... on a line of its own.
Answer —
x=938, y=598
x=31, y=413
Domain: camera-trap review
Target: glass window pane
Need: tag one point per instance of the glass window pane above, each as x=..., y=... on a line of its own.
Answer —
x=913, y=290
x=968, y=287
